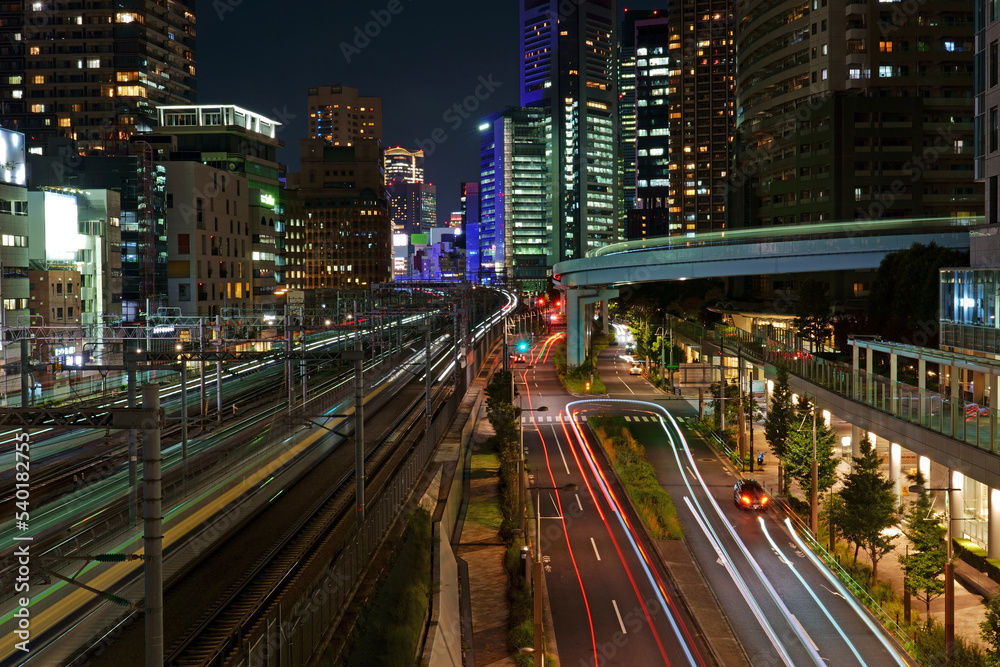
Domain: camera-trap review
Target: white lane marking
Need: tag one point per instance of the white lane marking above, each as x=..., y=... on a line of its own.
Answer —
x=626, y=385
x=620, y=622
x=594, y=544
x=556, y=436
x=578, y=503
x=798, y=624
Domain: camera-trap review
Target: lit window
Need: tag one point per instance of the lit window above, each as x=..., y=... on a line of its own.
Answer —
x=38, y=78
x=64, y=122
x=34, y=51
x=93, y=63
x=884, y=71
x=37, y=108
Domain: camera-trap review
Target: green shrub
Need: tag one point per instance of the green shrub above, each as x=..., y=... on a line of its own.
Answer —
x=931, y=647
x=638, y=477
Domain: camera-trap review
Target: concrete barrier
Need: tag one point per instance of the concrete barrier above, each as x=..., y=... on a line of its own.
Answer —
x=442, y=645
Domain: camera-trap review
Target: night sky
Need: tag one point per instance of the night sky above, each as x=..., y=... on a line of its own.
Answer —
x=430, y=56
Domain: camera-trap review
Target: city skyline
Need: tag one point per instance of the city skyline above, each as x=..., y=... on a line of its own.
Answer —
x=267, y=85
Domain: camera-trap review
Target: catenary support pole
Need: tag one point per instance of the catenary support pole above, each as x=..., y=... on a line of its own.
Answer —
x=359, y=434
x=153, y=530
x=133, y=450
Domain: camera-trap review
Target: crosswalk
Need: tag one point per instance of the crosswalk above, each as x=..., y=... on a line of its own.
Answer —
x=558, y=419
x=549, y=419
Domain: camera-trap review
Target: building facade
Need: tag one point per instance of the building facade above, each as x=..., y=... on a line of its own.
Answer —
x=75, y=235
x=96, y=74
x=141, y=184
x=341, y=117
x=851, y=112
x=14, y=282
x=210, y=242
x=339, y=232
x=988, y=105
x=413, y=205
x=568, y=68
x=516, y=237
x=242, y=143
x=684, y=62
x=404, y=165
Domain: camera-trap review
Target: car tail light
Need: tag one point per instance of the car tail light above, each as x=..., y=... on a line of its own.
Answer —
x=746, y=500
x=763, y=501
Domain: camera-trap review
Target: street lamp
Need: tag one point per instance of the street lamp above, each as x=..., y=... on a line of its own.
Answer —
x=520, y=463
x=539, y=573
x=949, y=571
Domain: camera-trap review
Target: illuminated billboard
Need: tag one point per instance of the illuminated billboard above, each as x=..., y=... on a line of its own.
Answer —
x=12, y=170
x=63, y=239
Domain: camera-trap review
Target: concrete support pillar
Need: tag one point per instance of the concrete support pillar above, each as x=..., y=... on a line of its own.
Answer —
x=856, y=367
x=924, y=466
x=994, y=383
x=993, y=546
x=857, y=437
x=956, y=512
x=869, y=370
x=577, y=322
x=921, y=389
x=576, y=343
x=978, y=387
x=604, y=317
x=895, y=456
x=893, y=380
x=957, y=413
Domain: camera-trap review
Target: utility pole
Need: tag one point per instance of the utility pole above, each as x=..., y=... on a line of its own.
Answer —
x=153, y=529
x=218, y=366
x=359, y=433
x=302, y=346
x=427, y=389
x=289, y=380
x=814, y=495
x=133, y=449
x=184, y=416
x=202, y=402
x=722, y=392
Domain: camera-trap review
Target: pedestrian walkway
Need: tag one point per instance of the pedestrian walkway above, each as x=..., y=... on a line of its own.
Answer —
x=969, y=607
x=481, y=548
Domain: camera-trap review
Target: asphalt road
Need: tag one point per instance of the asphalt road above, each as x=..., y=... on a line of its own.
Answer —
x=611, y=601
x=783, y=607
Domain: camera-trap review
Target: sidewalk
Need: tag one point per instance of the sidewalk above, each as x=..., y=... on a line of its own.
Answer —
x=969, y=607
x=483, y=551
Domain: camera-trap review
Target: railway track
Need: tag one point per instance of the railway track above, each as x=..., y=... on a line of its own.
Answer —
x=216, y=634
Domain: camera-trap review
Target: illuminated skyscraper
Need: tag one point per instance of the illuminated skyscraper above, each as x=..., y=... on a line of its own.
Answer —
x=515, y=232
x=94, y=72
x=854, y=111
x=342, y=117
x=568, y=69
x=684, y=65
x=404, y=165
